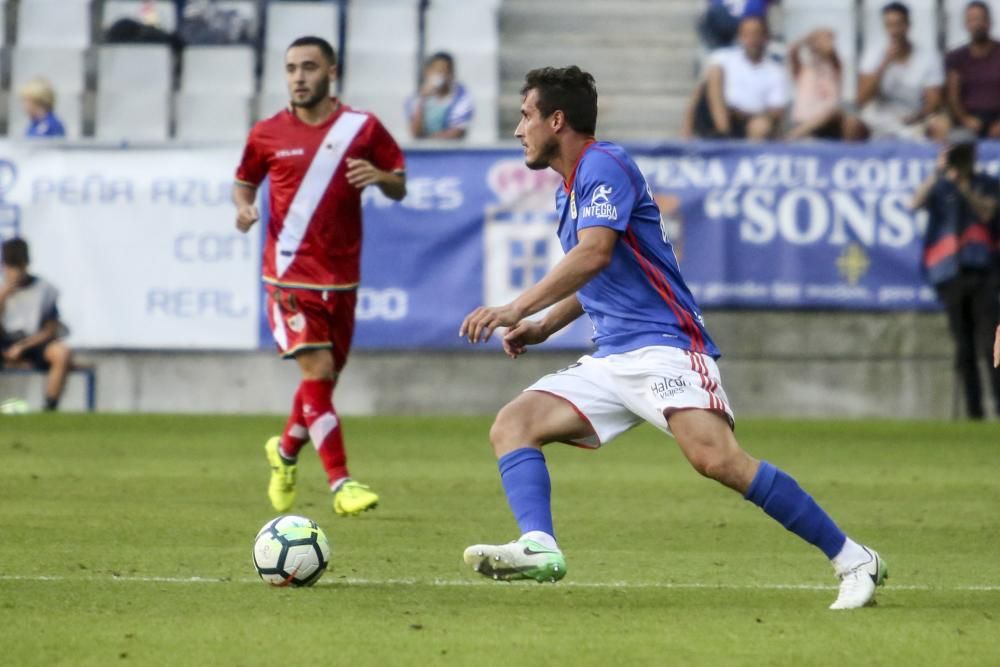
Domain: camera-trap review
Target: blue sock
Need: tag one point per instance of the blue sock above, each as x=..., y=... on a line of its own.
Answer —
x=526, y=483
x=783, y=500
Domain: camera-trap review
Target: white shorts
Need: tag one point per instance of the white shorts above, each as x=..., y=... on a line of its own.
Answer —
x=619, y=392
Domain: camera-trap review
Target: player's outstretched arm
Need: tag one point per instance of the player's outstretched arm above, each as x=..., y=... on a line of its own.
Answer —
x=245, y=198
x=532, y=332
x=573, y=271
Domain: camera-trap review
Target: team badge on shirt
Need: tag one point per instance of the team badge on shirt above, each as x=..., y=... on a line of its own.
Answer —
x=297, y=322
x=600, y=204
x=572, y=204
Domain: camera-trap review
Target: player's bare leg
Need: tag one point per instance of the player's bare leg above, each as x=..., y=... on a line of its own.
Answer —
x=708, y=442
x=60, y=360
x=319, y=375
x=520, y=430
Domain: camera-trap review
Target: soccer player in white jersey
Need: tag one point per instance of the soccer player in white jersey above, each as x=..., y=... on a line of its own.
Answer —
x=655, y=361
x=319, y=154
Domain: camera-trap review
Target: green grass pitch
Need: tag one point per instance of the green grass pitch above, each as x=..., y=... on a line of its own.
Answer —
x=126, y=540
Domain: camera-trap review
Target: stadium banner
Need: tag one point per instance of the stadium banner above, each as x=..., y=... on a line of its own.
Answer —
x=811, y=225
x=140, y=243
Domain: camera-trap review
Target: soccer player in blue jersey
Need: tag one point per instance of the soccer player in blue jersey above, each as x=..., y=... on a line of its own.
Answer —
x=654, y=362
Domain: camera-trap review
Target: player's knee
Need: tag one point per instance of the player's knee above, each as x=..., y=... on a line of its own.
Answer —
x=508, y=431
x=759, y=128
x=853, y=129
x=713, y=461
x=58, y=354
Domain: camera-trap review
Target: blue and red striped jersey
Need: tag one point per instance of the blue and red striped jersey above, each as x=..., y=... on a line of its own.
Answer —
x=640, y=298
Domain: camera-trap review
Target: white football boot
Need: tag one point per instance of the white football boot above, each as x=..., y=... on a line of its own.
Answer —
x=857, y=585
x=523, y=559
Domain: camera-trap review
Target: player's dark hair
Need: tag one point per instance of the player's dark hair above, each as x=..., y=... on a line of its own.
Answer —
x=981, y=5
x=324, y=46
x=444, y=56
x=760, y=19
x=566, y=89
x=898, y=7
x=14, y=253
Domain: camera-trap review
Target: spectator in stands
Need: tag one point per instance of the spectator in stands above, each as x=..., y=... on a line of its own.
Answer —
x=960, y=259
x=899, y=88
x=817, y=75
x=30, y=329
x=38, y=100
x=745, y=92
x=443, y=108
x=719, y=25
x=974, y=76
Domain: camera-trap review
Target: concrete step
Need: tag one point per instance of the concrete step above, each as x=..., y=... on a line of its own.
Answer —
x=642, y=54
x=652, y=69
x=642, y=22
x=620, y=117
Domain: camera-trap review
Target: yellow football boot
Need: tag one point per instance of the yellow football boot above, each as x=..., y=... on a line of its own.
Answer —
x=281, y=488
x=352, y=498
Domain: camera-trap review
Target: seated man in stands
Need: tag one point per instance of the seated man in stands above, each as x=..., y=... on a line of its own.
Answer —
x=443, y=108
x=745, y=92
x=39, y=100
x=29, y=322
x=899, y=87
x=974, y=76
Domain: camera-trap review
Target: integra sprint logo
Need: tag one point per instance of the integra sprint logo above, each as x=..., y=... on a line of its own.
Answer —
x=600, y=204
x=668, y=387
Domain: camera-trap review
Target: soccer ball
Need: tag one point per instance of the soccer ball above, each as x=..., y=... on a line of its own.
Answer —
x=291, y=551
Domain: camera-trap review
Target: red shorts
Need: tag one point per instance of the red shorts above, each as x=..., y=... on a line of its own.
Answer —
x=305, y=319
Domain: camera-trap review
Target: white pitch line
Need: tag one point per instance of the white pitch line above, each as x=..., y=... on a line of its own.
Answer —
x=356, y=581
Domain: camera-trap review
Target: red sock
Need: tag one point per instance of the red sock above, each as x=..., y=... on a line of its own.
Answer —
x=324, y=427
x=296, y=434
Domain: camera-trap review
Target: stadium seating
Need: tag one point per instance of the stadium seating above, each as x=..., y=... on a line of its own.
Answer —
x=379, y=73
x=801, y=18
x=287, y=21
x=114, y=10
x=132, y=116
x=954, y=19
x=246, y=9
x=69, y=109
x=62, y=23
x=273, y=72
x=469, y=30
x=217, y=86
x=134, y=68
x=642, y=70
x=63, y=68
x=228, y=69
x=128, y=75
x=270, y=103
x=212, y=117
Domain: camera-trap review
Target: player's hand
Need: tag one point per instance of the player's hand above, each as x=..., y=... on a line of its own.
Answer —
x=246, y=217
x=14, y=352
x=362, y=173
x=480, y=324
x=972, y=124
x=996, y=350
x=521, y=335
x=892, y=52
